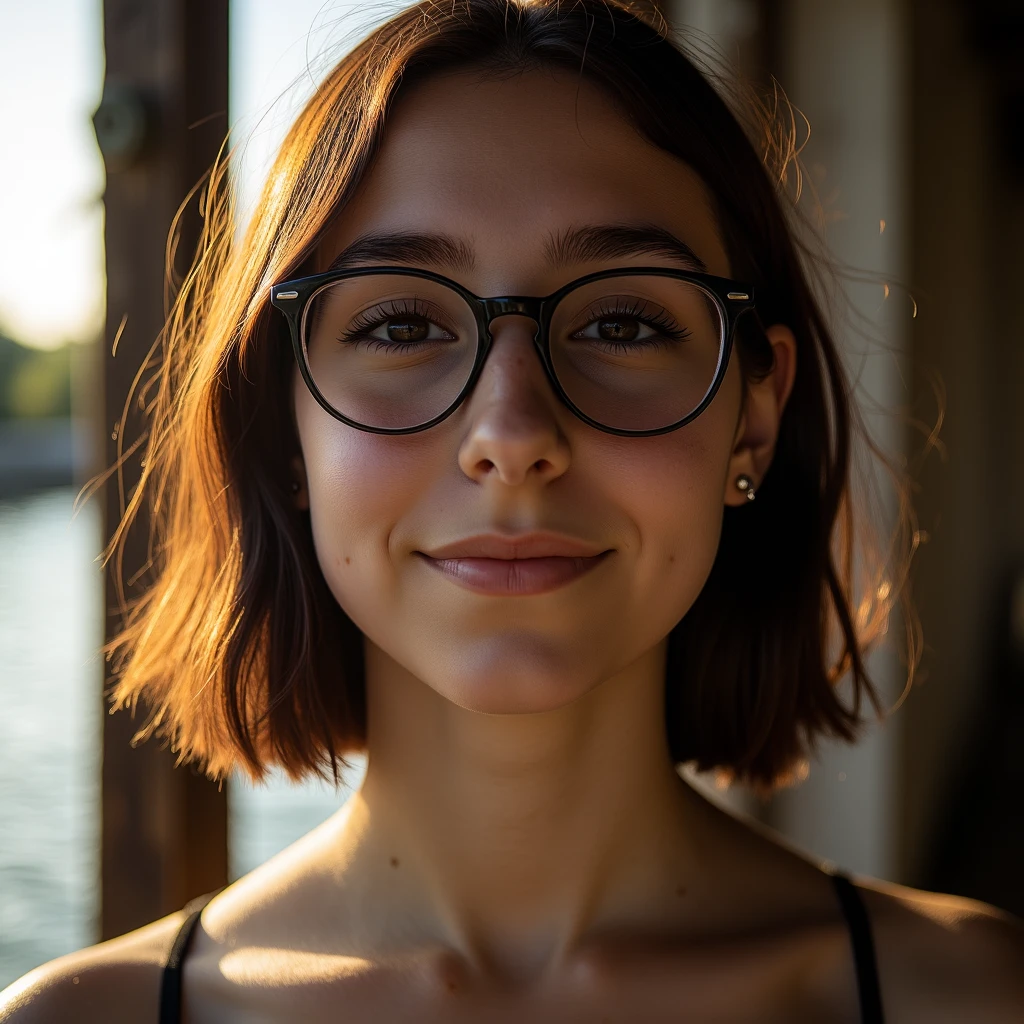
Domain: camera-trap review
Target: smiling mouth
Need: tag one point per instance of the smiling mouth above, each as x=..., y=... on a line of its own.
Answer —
x=521, y=577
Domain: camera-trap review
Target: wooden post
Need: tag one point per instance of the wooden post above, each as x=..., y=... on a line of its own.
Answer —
x=162, y=119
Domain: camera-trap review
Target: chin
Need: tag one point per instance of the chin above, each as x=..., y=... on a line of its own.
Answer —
x=522, y=675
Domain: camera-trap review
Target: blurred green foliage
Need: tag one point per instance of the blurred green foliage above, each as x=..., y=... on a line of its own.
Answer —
x=34, y=382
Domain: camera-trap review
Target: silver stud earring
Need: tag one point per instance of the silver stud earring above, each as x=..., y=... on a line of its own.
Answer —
x=745, y=484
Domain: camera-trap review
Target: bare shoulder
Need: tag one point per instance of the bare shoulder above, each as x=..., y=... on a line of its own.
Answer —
x=113, y=981
x=945, y=957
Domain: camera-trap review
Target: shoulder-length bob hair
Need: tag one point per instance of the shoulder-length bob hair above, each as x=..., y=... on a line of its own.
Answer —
x=239, y=650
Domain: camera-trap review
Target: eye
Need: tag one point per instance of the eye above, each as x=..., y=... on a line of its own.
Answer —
x=630, y=323
x=618, y=328
x=398, y=324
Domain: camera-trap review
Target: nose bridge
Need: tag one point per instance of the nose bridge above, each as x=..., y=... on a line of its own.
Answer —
x=513, y=371
x=514, y=432
x=504, y=378
x=514, y=307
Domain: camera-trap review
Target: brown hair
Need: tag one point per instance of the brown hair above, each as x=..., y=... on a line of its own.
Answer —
x=239, y=649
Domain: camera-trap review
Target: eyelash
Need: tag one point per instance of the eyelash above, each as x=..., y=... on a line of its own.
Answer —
x=370, y=320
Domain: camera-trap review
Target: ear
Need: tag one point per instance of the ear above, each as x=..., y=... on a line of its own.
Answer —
x=300, y=495
x=758, y=428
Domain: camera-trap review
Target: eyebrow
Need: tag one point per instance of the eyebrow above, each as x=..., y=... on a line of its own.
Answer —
x=591, y=243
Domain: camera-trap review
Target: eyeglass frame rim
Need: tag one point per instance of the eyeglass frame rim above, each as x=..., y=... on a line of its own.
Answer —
x=291, y=298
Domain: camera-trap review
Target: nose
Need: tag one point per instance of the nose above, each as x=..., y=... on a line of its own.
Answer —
x=514, y=417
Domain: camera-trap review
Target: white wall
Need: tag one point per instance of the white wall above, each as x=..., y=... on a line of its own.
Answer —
x=843, y=65
x=279, y=52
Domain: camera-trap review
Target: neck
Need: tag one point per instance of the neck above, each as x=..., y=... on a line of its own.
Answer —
x=513, y=837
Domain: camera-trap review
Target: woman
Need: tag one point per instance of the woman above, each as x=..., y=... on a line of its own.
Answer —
x=534, y=485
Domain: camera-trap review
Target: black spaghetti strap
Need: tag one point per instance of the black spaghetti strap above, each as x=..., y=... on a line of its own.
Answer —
x=863, y=948
x=170, y=984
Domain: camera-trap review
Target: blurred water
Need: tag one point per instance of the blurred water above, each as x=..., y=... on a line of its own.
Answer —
x=50, y=627
x=50, y=707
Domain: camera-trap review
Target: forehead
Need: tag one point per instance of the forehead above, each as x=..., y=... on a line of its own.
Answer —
x=504, y=165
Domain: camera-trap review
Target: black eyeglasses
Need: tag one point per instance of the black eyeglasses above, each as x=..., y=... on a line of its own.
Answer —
x=394, y=350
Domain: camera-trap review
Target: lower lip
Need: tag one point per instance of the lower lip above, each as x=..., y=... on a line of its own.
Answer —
x=519, y=577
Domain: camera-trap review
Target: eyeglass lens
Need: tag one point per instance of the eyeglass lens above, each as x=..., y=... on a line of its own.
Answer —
x=631, y=352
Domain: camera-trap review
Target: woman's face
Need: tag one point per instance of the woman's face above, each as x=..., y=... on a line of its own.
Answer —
x=502, y=168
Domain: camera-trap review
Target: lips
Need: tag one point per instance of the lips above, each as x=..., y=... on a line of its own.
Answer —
x=524, y=545
x=520, y=565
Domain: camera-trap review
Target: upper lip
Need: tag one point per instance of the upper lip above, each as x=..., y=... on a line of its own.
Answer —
x=522, y=545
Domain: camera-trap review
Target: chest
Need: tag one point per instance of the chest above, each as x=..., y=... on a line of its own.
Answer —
x=760, y=986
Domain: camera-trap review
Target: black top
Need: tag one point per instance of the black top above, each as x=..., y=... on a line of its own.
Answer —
x=849, y=899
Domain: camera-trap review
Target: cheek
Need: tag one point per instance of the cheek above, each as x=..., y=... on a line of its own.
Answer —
x=673, y=489
x=360, y=486
x=674, y=495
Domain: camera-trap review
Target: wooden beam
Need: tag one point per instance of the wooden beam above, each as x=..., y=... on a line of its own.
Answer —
x=162, y=119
